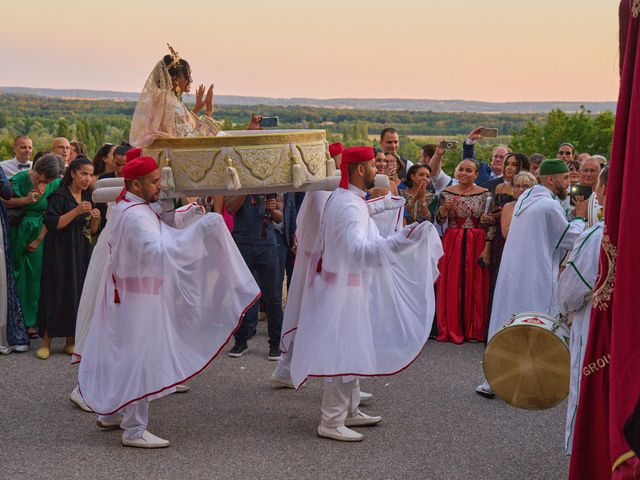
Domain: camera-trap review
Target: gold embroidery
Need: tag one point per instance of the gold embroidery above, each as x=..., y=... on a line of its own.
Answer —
x=261, y=161
x=313, y=155
x=466, y=207
x=86, y=228
x=602, y=295
x=259, y=138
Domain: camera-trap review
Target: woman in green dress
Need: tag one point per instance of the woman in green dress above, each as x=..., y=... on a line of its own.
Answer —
x=32, y=188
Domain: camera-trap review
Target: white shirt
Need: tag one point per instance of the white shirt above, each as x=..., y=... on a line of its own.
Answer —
x=13, y=166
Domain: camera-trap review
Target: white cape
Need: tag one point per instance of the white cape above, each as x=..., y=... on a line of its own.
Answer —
x=181, y=293
x=97, y=271
x=539, y=236
x=369, y=310
x=387, y=215
x=575, y=288
x=307, y=231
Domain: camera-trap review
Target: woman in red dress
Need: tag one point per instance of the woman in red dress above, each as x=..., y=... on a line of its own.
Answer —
x=463, y=286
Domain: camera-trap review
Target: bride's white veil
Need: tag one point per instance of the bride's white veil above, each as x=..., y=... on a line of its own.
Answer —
x=154, y=115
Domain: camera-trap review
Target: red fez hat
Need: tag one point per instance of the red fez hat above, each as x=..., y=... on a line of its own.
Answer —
x=139, y=167
x=353, y=155
x=133, y=153
x=335, y=149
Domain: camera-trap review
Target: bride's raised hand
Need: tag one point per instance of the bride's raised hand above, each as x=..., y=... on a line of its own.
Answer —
x=208, y=101
x=200, y=100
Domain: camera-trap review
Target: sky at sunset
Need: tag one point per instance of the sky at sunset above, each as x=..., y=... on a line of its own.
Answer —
x=491, y=50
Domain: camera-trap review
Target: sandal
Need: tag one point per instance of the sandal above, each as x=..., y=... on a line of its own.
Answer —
x=33, y=333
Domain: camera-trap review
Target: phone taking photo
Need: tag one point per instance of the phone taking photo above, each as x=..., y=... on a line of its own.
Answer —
x=579, y=191
x=489, y=132
x=266, y=122
x=449, y=144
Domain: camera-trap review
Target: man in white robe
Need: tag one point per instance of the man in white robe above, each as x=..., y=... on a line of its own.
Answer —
x=385, y=211
x=367, y=302
x=539, y=237
x=575, y=288
x=170, y=301
x=97, y=270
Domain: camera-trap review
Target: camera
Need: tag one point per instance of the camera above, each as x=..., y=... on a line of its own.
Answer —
x=449, y=144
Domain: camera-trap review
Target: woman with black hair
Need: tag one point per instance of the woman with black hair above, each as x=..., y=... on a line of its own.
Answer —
x=504, y=193
x=463, y=287
x=421, y=203
x=103, y=160
x=71, y=221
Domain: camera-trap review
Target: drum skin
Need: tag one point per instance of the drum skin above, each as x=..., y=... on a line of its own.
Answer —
x=527, y=362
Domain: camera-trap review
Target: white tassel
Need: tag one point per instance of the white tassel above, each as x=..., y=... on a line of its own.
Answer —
x=233, y=180
x=331, y=167
x=299, y=175
x=167, y=179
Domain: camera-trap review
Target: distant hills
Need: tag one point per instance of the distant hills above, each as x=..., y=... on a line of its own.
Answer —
x=419, y=105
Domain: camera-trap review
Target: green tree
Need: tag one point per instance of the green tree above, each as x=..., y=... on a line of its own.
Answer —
x=587, y=132
x=63, y=129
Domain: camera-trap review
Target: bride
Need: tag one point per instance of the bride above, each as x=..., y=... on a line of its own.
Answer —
x=160, y=112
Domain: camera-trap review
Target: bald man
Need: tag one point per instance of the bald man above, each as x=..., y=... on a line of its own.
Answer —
x=62, y=148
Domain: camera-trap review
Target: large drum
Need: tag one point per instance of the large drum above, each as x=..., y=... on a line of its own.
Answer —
x=250, y=161
x=527, y=362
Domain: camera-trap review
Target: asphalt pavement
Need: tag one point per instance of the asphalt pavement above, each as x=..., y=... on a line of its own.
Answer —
x=233, y=424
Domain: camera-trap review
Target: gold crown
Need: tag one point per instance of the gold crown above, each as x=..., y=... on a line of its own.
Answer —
x=176, y=57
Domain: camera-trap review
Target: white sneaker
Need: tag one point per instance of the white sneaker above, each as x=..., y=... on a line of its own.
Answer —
x=341, y=433
x=362, y=420
x=281, y=381
x=108, y=424
x=76, y=398
x=485, y=390
x=148, y=440
x=21, y=348
x=182, y=388
x=365, y=396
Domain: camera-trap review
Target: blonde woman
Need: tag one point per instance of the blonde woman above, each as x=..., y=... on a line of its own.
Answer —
x=522, y=182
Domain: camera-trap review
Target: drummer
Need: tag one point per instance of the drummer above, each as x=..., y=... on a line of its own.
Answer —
x=574, y=296
x=538, y=235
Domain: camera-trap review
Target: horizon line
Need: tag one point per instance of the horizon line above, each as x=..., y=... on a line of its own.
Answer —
x=324, y=98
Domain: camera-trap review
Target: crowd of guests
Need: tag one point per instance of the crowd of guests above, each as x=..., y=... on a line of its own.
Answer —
x=49, y=224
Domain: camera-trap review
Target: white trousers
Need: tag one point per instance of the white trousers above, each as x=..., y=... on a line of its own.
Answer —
x=340, y=399
x=135, y=418
x=283, y=370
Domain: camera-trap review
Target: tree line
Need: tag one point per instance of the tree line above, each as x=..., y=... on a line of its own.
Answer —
x=95, y=122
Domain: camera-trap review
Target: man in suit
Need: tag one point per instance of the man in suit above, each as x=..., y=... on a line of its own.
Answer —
x=22, y=147
x=487, y=171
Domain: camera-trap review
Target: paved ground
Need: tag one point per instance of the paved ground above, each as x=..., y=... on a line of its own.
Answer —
x=234, y=425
